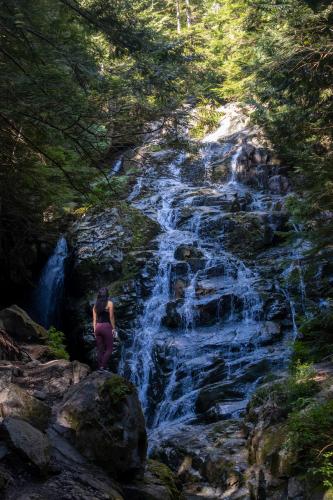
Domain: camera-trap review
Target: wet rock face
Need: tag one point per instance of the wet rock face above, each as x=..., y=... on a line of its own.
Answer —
x=110, y=249
x=207, y=314
x=105, y=416
x=102, y=235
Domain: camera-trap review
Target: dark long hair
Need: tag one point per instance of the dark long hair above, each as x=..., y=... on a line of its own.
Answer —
x=102, y=300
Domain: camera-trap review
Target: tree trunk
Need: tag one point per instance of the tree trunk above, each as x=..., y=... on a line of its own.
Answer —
x=178, y=16
x=188, y=13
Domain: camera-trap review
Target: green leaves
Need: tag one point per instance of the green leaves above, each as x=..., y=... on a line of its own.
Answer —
x=78, y=80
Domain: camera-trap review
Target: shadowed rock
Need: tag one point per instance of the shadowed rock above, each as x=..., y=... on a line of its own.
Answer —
x=18, y=324
x=10, y=350
x=27, y=441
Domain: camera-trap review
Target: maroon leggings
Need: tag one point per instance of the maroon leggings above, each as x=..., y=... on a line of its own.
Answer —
x=104, y=341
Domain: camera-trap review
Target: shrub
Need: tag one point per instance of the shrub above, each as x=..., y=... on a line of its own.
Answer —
x=295, y=392
x=317, y=340
x=207, y=119
x=56, y=343
x=325, y=469
x=310, y=435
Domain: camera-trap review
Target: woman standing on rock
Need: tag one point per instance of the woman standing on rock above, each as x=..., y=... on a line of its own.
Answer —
x=104, y=327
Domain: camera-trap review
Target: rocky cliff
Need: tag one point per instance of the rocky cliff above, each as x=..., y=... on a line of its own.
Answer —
x=208, y=285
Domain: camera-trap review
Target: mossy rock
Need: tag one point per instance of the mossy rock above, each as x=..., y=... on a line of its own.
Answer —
x=165, y=477
x=106, y=418
x=143, y=230
x=158, y=484
x=272, y=451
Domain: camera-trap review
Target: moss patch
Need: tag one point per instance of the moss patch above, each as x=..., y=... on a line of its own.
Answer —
x=310, y=434
x=142, y=230
x=116, y=389
x=302, y=441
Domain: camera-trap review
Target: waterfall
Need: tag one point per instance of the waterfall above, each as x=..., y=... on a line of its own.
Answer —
x=116, y=167
x=205, y=322
x=234, y=163
x=48, y=295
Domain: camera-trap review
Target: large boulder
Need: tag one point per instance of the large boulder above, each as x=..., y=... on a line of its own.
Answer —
x=27, y=442
x=18, y=324
x=106, y=418
x=212, y=308
x=217, y=393
x=191, y=255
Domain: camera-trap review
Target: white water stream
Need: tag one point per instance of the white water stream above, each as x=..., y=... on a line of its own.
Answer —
x=219, y=314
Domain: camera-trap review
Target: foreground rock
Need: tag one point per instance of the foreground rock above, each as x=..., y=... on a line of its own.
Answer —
x=16, y=402
x=105, y=415
x=210, y=460
x=29, y=443
x=83, y=483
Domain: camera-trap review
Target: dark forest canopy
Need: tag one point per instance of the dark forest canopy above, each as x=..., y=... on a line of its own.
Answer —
x=80, y=79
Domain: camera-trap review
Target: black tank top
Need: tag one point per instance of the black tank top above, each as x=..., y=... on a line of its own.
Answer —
x=103, y=317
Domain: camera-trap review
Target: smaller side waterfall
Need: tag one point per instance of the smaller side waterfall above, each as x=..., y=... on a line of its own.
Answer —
x=47, y=298
x=116, y=167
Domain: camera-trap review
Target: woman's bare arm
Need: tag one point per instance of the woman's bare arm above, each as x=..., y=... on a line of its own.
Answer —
x=111, y=312
x=94, y=319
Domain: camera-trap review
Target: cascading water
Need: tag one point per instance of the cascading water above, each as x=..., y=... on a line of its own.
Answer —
x=116, y=167
x=204, y=327
x=48, y=295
